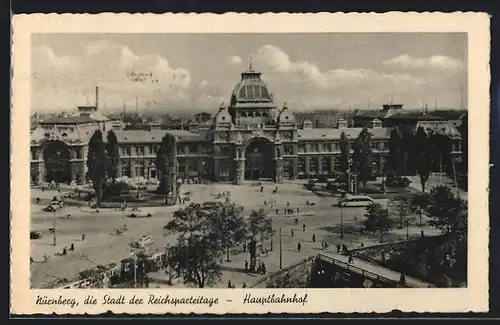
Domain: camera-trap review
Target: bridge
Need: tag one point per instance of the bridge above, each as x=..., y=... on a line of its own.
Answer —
x=370, y=271
x=330, y=270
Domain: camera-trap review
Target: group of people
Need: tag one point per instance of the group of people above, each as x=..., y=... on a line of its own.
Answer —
x=224, y=194
x=261, y=267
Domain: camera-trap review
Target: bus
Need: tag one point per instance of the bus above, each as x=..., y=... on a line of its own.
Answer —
x=356, y=201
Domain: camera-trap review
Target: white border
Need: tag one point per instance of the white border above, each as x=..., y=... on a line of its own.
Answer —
x=473, y=298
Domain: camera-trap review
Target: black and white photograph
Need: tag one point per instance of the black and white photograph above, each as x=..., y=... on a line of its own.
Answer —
x=251, y=160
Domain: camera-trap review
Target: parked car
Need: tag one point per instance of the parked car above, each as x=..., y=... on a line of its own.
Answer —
x=36, y=234
x=146, y=240
x=397, y=181
x=139, y=214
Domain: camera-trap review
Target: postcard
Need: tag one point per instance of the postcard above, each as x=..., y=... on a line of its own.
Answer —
x=250, y=163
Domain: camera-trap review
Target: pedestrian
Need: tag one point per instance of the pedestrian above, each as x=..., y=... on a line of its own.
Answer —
x=37, y=200
x=314, y=238
x=362, y=245
x=402, y=279
x=265, y=202
x=83, y=237
x=229, y=285
x=344, y=248
x=262, y=189
x=263, y=268
x=296, y=221
x=288, y=204
x=422, y=233
x=277, y=211
x=326, y=245
x=338, y=248
x=303, y=227
x=299, y=246
x=69, y=215
x=297, y=210
x=244, y=285
x=246, y=266
x=350, y=259
x=64, y=252
x=72, y=247
x=291, y=232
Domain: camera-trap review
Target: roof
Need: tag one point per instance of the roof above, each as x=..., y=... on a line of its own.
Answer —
x=251, y=88
x=440, y=127
x=334, y=134
x=449, y=114
x=421, y=116
x=254, y=105
x=155, y=136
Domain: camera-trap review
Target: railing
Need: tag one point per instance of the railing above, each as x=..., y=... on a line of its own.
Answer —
x=283, y=271
x=356, y=269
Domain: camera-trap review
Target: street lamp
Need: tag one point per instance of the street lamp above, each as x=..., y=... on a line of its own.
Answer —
x=281, y=252
x=341, y=222
x=134, y=256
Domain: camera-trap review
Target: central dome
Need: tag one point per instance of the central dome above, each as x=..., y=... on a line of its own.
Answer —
x=251, y=89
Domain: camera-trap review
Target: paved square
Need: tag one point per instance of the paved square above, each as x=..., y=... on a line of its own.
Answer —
x=102, y=246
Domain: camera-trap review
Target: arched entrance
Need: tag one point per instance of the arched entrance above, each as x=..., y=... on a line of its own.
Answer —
x=259, y=160
x=56, y=157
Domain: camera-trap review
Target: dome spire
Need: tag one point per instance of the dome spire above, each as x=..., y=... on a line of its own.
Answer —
x=250, y=62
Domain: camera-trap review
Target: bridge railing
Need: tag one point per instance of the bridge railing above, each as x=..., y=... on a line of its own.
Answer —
x=277, y=274
x=356, y=269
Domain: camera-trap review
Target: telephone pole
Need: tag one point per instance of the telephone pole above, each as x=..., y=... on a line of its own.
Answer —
x=54, y=229
x=281, y=253
x=341, y=222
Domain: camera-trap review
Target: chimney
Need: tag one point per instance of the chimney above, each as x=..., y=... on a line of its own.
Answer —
x=96, y=97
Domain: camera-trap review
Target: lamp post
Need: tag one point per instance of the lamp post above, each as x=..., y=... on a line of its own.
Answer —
x=281, y=252
x=272, y=235
x=341, y=222
x=54, y=229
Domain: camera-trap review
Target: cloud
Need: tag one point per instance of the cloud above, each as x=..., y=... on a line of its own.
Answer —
x=203, y=84
x=405, y=61
x=234, y=60
x=304, y=84
x=65, y=82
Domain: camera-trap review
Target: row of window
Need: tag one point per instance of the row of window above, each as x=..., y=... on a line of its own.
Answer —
x=335, y=146
x=153, y=149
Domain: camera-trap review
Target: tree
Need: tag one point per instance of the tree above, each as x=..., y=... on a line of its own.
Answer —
x=419, y=202
x=230, y=224
x=166, y=164
x=421, y=148
x=96, y=164
x=259, y=223
x=395, y=159
x=345, y=152
x=447, y=212
x=363, y=156
x=464, y=132
x=113, y=154
x=401, y=209
x=196, y=257
x=377, y=220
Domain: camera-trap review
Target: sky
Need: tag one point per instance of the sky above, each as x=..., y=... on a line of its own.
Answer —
x=198, y=72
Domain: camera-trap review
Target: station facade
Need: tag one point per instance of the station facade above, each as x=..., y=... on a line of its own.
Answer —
x=251, y=138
